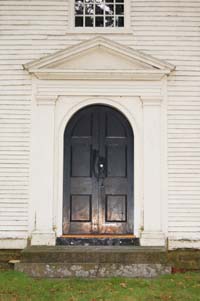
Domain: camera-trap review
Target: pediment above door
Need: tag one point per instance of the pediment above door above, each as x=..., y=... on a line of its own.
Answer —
x=99, y=58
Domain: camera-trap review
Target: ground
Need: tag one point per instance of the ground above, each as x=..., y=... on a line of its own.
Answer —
x=15, y=286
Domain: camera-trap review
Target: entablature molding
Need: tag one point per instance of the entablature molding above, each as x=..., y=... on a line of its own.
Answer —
x=151, y=100
x=46, y=100
x=99, y=58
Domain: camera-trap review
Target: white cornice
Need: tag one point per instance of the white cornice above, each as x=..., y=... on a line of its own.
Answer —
x=151, y=100
x=48, y=67
x=98, y=42
x=46, y=100
x=99, y=74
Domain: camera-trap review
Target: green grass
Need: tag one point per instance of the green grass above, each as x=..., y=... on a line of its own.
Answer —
x=16, y=286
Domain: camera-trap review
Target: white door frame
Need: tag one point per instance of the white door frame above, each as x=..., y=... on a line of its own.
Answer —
x=147, y=118
x=130, y=81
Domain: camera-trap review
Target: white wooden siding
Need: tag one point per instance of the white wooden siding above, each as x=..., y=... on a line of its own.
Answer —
x=168, y=30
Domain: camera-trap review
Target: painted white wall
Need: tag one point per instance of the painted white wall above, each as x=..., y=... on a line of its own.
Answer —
x=167, y=31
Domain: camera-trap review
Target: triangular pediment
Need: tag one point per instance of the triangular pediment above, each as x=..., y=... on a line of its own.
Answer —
x=98, y=58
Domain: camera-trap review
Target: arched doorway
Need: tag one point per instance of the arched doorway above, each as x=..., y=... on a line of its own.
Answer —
x=98, y=173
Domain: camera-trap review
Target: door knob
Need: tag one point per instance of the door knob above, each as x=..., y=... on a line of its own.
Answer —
x=102, y=167
x=98, y=165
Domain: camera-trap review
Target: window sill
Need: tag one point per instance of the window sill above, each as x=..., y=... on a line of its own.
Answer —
x=99, y=31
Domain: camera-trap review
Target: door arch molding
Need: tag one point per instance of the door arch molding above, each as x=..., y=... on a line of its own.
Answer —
x=115, y=104
x=129, y=108
x=98, y=172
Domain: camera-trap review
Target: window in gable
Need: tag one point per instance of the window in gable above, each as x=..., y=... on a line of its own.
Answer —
x=99, y=13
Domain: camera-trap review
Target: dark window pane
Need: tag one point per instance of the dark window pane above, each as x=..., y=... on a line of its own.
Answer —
x=99, y=9
x=109, y=8
x=79, y=21
x=109, y=1
x=109, y=22
x=119, y=21
x=119, y=1
x=99, y=21
x=89, y=9
x=119, y=9
x=79, y=7
x=89, y=21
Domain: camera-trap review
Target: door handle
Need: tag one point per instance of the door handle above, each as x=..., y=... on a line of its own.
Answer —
x=95, y=161
x=102, y=167
x=98, y=165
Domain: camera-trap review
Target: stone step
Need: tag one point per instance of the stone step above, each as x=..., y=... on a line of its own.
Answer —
x=94, y=254
x=92, y=270
x=93, y=261
x=104, y=261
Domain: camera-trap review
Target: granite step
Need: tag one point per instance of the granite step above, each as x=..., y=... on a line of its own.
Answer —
x=93, y=261
x=94, y=254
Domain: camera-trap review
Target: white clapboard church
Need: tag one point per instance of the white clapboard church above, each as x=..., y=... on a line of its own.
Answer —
x=100, y=122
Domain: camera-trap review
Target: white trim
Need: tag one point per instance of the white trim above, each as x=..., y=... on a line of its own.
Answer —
x=57, y=58
x=153, y=239
x=183, y=244
x=164, y=157
x=151, y=100
x=142, y=102
x=13, y=243
x=65, y=107
x=40, y=238
x=46, y=100
x=42, y=170
x=100, y=30
x=100, y=74
x=153, y=160
x=142, y=66
x=78, y=104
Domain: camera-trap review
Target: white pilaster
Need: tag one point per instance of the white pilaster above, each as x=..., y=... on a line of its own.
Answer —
x=152, y=234
x=42, y=172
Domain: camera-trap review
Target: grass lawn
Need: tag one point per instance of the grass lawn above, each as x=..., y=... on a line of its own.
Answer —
x=18, y=287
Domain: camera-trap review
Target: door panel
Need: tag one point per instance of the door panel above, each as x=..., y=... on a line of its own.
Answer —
x=81, y=185
x=113, y=126
x=98, y=173
x=115, y=186
x=116, y=160
x=116, y=208
x=80, y=160
x=80, y=208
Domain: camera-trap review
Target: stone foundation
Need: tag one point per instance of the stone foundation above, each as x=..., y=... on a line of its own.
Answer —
x=92, y=270
x=6, y=256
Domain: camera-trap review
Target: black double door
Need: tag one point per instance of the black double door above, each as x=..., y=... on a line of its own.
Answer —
x=98, y=173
